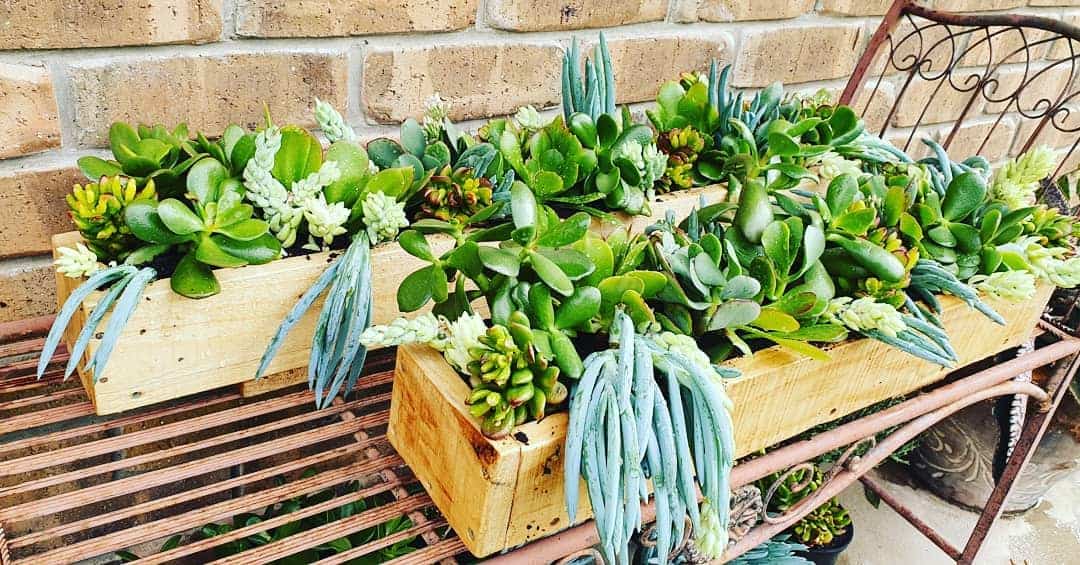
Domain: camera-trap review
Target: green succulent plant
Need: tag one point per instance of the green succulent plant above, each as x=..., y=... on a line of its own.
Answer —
x=216, y=230
x=413, y=150
x=682, y=147
x=593, y=94
x=97, y=210
x=513, y=382
x=551, y=162
x=146, y=153
x=822, y=524
x=455, y=195
x=628, y=163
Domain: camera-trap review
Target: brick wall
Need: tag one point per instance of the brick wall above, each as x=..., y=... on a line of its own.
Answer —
x=67, y=69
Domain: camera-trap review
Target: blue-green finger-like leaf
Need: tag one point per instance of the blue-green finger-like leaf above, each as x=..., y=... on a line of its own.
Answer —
x=90, y=327
x=71, y=305
x=295, y=315
x=125, y=307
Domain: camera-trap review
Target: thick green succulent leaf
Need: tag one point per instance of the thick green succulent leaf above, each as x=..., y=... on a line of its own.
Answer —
x=782, y=144
x=466, y=258
x=416, y=289
x=194, y=279
x=800, y=347
x=352, y=161
x=652, y=282
x=613, y=288
x=775, y=320
x=551, y=274
x=412, y=138
x=741, y=286
x=777, y=240
x=414, y=243
x=205, y=178
x=522, y=205
x=299, y=156
x=122, y=134
x=502, y=261
x=208, y=251
x=575, y=264
x=142, y=217
x=964, y=194
x=245, y=230
x=734, y=313
x=96, y=167
x=601, y=256
x=258, y=251
x=578, y=308
x=856, y=222
x=822, y=333
x=910, y=227
x=566, y=232
x=178, y=218
x=841, y=193
x=384, y=152
x=391, y=182
x=967, y=237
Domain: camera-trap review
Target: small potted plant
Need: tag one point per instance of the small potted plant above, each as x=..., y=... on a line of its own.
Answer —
x=826, y=531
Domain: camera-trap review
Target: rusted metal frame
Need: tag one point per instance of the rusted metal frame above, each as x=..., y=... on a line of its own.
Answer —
x=433, y=553
x=178, y=450
x=194, y=518
x=326, y=533
x=186, y=470
x=925, y=529
x=158, y=433
x=186, y=496
x=1032, y=432
x=99, y=427
x=1058, y=26
x=375, y=545
x=859, y=466
x=45, y=417
x=267, y=525
x=41, y=399
x=858, y=76
x=852, y=432
x=417, y=517
x=918, y=409
x=20, y=330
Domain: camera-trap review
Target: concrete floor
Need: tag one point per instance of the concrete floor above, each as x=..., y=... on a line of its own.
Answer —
x=1049, y=534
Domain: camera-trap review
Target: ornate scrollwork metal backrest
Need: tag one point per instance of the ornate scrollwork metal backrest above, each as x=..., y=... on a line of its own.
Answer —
x=1008, y=80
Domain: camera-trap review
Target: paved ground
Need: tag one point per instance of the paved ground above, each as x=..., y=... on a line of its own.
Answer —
x=1046, y=535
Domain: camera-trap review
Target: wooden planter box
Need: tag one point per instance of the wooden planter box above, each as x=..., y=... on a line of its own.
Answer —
x=498, y=494
x=175, y=346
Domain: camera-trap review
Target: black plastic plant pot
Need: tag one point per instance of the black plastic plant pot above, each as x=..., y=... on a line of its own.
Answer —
x=828, y=554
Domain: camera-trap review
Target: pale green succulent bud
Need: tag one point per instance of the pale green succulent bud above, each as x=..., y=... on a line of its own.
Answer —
x=332, y=124
x=1017, y=181
x=528, y=118
x=311, y=185
x=464, y=335
x=384, y=216
x=435, y=113
x=423, y=329
x=77, y=262
x=325, y=221
x=1047, y=263
x=266, y=192
x=687, y=347
x=832, y=165
x=865, y=314
x=1014, y=286
x=712, y=538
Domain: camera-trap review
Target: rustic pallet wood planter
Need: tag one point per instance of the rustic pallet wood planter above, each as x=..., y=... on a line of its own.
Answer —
x=498, y=494
x=175, y=346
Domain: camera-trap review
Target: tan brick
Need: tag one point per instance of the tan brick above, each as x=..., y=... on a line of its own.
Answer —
x=477, y=80
x=1035, y=87
x=932, y=102
x=1054, y=3
x=297, y=18
x=546, y=15
x=856, y=7
x=27, y=288
x=1005, y=45
x=976, y=5
x=642, y=64
x=34, y=208
x=1059, y=48
x=797, y=54
x=989, y=139
x=28, y=121
x=209, y=92
x=59, y=24
x=926, y=47
x=741, y=10
x=874, y=105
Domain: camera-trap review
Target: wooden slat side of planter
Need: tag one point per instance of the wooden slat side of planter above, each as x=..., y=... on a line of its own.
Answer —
x=175, y=346
x=779, y=396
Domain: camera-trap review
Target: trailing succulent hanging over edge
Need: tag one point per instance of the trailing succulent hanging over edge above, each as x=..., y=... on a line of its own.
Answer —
x=337, y=353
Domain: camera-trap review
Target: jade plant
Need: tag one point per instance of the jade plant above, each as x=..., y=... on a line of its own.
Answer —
x=146, y=153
